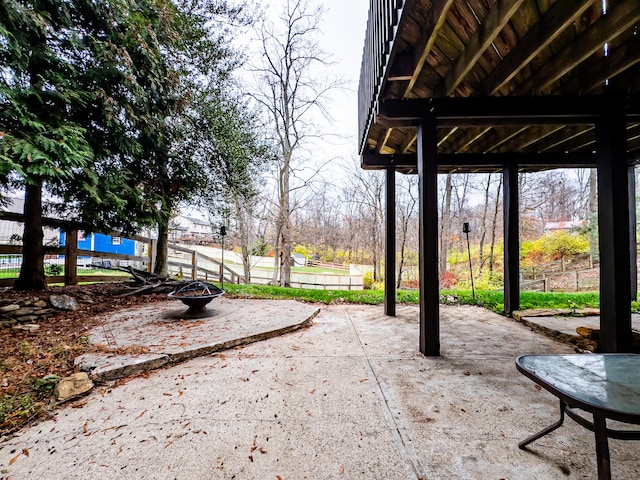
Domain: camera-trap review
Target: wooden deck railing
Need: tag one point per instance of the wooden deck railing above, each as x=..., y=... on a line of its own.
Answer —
x=383, y=20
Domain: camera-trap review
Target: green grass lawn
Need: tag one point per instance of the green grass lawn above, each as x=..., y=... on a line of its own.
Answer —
x=491, y=300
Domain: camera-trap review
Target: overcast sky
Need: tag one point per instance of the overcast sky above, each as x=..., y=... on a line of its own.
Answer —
x=343, y=28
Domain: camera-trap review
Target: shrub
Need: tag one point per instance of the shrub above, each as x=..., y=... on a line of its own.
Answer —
x=448, y=279
x=367, y=280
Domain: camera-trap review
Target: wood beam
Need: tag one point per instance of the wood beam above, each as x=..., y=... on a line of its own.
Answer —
x=556, y=20
x=491, y=161
x=511, y=204
x=428, y=226
x=430, y=30
x=619, y=60
x=493, y=111
x=614, y=234
x=633, y=250
x=622, y=16
x=487, y=31
x=390, y=245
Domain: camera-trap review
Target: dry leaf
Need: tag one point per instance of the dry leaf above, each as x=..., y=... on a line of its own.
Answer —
x=222, y=356
x=180, y=393
x=85, y=427
x=25, y=451
x=363, y=380
x=142, y=413
x=251, y=458
x=14, y=459
x=312, y=391
x=341, y=469
x=279, y=477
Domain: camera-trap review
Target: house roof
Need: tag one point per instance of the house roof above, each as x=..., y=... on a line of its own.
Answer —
x=554, y=66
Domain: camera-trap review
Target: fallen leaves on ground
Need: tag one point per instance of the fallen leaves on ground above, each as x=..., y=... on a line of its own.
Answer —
x=30, y=360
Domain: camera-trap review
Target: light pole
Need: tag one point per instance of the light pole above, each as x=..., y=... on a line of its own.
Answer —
x=466, y=228
x=223, y=232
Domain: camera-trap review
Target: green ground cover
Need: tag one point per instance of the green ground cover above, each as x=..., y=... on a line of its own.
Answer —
x=491, y=300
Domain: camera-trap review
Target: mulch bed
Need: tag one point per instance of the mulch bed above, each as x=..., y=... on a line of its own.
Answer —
x=26, y=358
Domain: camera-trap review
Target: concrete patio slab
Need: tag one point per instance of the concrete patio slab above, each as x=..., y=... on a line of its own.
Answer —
x=349, y=397
x=163, y=333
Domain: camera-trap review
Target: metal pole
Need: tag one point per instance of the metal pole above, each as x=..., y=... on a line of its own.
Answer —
x=466, y=229
x=223, y=232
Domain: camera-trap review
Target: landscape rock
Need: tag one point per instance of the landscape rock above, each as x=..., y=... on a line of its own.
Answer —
x=72, y=386
x=64, y=302
x=9, y=308
x=40, y=304
x=27, y=327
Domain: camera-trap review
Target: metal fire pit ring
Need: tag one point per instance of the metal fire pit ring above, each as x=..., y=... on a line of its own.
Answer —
x=196, y=295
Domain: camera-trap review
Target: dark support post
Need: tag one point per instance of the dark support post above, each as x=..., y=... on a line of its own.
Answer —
x=511, y=239
x=390, y=245
x=71, y=258
x=614, y=233
x=427, y=147
x=633, y=250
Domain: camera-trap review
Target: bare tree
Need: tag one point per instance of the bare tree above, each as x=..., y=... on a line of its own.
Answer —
x=407, y=201
x=366, y=190
x=291, y=88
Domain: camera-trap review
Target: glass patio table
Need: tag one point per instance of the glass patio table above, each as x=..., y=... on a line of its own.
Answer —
x=605, y=385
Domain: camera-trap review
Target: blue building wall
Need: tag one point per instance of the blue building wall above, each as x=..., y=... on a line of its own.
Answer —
x=103, y=243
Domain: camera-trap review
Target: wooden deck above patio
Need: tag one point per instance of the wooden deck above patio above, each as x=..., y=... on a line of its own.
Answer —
x=508, y=86
x=571, y=53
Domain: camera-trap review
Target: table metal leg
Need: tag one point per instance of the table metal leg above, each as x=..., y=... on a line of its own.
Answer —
x=602, y=447
x=549, y=429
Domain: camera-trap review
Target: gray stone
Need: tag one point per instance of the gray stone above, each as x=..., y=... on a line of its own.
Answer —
x=27, y=318
x=9, y=308
x=22, y=311
x=64, y=302
x=27, y=327
x=72, y=386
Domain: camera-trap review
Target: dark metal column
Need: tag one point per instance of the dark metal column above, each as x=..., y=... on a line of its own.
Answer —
x=428, y=204
x=614, y=233
x=511, y=239
x=390, y=245
x=633, y=250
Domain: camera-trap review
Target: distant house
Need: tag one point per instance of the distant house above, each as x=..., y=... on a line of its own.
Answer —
x=99, y=242
x=190, y=229
x=11, y=232
x=299, y=259
x=551, y=227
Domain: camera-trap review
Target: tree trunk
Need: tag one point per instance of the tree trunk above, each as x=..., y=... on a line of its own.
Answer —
x=162, y=251
x=446, y=225
x=243, y=231
x=276, y=255
x=32, y=275
x=483, y=227
x=494, y=225
x=593, y=214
